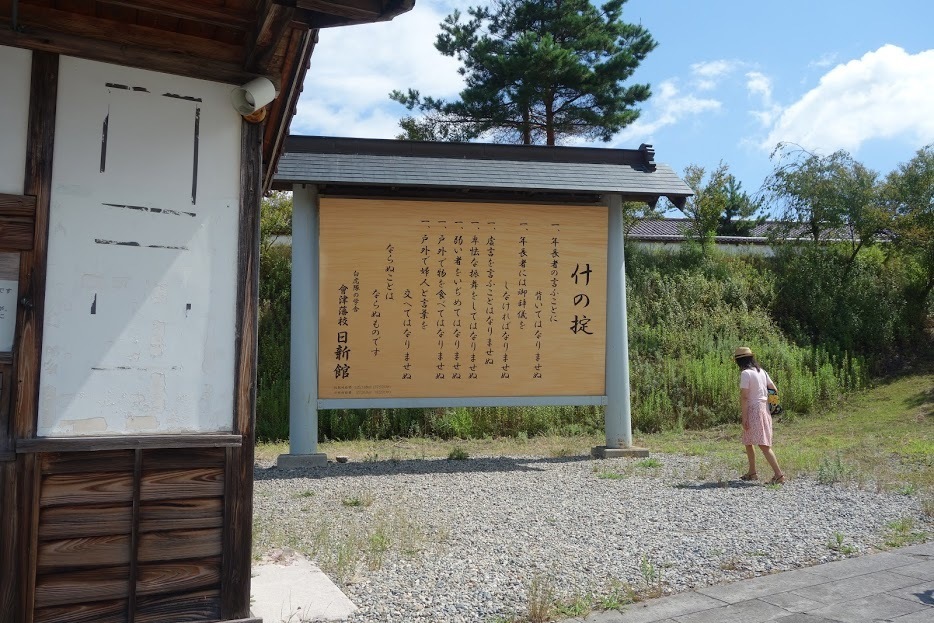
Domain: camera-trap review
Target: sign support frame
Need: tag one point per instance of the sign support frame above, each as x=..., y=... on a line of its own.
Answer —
x=303, y=356
x=303, y=398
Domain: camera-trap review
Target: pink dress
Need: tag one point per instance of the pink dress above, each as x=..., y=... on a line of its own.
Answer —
x=757, y=413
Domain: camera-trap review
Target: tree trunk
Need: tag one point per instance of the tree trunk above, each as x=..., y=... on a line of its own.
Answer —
x=550, y=120
x=526, y=127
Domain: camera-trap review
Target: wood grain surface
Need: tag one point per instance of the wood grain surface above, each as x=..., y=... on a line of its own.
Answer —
x=460, y=299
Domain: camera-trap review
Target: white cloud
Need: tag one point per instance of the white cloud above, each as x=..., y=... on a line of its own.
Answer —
x=666, y=107
x=760, y=86
x=713, y=69
x=826, y=60
x=707, y=75
x=353, y=69
x=884, y=94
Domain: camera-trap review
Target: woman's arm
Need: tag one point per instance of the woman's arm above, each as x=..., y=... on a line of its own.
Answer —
x=743, y=401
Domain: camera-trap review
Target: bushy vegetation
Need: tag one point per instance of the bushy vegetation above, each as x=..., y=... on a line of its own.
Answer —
x=823, y=317
x=687, y=311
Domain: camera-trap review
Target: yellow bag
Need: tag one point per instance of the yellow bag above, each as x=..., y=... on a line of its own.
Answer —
x=775, y=406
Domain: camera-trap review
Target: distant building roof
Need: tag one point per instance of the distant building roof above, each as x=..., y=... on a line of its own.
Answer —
x=467, y=167
x=678, y=230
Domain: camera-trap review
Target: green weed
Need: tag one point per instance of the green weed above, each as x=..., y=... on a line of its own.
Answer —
x=541, y=599
x=903, y=532
x=836, y=543
x=458, y=454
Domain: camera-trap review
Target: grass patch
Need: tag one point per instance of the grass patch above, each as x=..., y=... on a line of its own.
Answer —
x=458, y=454
x=837, y=544
x=652, y=463
x=361, y=499
x=609, y=475
x=882, y=437
x=903, y=532
x=541, y=597
x=651, y=576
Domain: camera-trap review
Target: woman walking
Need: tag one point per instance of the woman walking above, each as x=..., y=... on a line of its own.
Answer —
x=754, y=385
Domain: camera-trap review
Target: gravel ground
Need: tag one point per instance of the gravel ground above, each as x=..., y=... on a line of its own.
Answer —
x=458, y=541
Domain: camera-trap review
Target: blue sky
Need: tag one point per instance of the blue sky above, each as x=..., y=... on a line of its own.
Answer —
x=730, y=78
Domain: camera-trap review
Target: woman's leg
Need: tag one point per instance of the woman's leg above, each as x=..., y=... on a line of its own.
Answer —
x=773, y=462
x=751, y=457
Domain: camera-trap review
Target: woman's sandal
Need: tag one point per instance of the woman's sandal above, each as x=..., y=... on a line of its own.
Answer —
x=752, y=476
x=777, y=480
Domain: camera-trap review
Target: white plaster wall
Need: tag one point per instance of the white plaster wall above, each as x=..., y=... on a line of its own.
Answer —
x=732, y=248
x=15, y=75
x=140, y=297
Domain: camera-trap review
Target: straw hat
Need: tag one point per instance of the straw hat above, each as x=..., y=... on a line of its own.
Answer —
x=742, y=351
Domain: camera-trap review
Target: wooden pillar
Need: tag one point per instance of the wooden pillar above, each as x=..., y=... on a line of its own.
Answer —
x=20, y=479
x=238, y=493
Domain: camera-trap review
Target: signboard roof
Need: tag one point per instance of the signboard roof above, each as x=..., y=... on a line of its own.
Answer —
x=472, y=166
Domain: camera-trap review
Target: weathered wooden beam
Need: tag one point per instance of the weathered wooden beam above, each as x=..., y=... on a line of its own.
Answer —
x=268, y=32
x=99, y=612
x=8, y=542
x=75, y=587
x=174, y=577
x=181, y=544
x=28, y=534
x=117, y=442
x=369, y=10
x=21, y=206
x=134, y=536
x=329, y=13
x=282, y=109
x=238, y=496
x=7, y=444
x=40, y=140
x=188, y=514
x=16, y=233
x=196, y=11
x=128, y=35
x=173, y=62
x=188, y=606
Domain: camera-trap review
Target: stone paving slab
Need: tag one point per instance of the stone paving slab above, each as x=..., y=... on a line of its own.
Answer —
x=922, y=570
x=752, y=588
x=920, y=593
x=921, y=616
x=792, y=602
x=924, y=549
x=752, y=611
x=296, y=590
x=896, y=587
x=668, y=607
x=855, y=587
x=870, y=609
x=852, y=567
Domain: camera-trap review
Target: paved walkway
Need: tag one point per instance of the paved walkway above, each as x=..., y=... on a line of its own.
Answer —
x=896, y=586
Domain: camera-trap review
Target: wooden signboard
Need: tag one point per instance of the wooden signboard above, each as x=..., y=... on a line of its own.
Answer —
x=427, y=299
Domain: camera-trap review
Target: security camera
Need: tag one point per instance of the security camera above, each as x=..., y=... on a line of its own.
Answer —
x=252, y=96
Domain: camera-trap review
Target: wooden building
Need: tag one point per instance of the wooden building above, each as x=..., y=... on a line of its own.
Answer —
x=129, y=207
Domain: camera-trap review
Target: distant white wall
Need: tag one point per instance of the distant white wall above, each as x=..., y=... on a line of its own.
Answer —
x=731, y=248
x=15, y=75
x=140, y=297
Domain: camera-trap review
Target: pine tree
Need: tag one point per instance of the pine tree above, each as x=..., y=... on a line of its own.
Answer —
x=536, y=71
x=738, y=215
